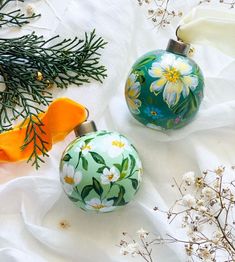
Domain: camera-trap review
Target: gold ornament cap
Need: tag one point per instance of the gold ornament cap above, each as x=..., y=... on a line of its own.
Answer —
x=178, y=47
x=85, y=128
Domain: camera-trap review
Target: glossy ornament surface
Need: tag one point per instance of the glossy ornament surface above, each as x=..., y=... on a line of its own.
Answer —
x=164, y=89
x=100, y=171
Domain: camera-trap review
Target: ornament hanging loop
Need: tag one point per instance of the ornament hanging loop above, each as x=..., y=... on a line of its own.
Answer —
x=87, y=113
x=176, y=33
x=85, y=127
x=190, y=50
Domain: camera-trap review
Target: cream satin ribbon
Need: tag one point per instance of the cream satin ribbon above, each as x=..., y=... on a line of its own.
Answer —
x=209, y=26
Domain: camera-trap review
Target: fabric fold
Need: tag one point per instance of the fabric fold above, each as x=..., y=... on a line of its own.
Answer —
x=209, y=26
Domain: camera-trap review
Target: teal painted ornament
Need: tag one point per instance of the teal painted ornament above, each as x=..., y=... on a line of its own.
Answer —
x=165, y=88
x=100, y=171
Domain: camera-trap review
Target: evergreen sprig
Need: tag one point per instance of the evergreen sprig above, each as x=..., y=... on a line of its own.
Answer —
x=29, y=66
x=15, y=17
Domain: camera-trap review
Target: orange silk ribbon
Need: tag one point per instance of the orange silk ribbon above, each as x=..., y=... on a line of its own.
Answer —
x=61, y=117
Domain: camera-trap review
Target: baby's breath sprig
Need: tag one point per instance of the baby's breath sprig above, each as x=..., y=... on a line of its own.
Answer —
x=206, y=207
x=160, y=12
x=230, y=3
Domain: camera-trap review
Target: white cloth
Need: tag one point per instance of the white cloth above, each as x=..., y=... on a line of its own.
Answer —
x=32, y=206
x=210, y=26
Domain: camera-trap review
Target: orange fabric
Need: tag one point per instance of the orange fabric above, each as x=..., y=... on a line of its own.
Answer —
x=61, y=117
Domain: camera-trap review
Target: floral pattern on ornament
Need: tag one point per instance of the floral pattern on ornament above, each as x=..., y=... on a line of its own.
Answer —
x=175, y=77
x=70, y=177
x=107, y=170
x=98, y=205
x=115, y=145
x=132, y=93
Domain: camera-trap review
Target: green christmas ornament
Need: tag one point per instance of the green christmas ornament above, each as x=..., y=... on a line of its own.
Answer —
x=100, y=171
x=165, y=87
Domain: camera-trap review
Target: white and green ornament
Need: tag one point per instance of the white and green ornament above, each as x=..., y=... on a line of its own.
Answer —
x=100, y=171
x=164, y=88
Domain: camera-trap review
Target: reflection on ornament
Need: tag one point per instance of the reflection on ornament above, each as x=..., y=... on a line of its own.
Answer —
x=165, y=88
x=100, y=171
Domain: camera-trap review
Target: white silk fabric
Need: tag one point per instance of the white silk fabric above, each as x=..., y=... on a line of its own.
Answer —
x=210, y=26
x=33, y=205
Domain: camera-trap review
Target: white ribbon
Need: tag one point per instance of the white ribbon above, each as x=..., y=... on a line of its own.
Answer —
x=210, y=26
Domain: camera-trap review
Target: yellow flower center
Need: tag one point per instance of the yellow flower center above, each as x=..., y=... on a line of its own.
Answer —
x=69, y=180
x=110, y=177
x=118, y=143
x=171, y=74
x=98, y=206
x=153, y=113
x=131, y=93
x=88, y=147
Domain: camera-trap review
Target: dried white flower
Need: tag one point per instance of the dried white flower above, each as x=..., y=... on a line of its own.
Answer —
x=123, y=250
x=189, y=178
x=200, y=202
x=189, y=200
x=132, y=248
x=208, y=193
x=142, y=233
x=217, y=236
x=205, y=254
x=30, y=10
x=190, y=232
x=202, y=209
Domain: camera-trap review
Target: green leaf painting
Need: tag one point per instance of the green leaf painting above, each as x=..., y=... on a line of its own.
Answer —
x=67, y=157
x=72, y=198
x=133, y=162
x=84, y=163
x=86, y=190
x=125, y=164
x=101, y=169
x=97, y=158
x=134, y=183
x=119, y=200
x=144, y=61
x=97, y=186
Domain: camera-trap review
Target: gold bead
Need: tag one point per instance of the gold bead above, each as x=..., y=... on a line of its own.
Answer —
x=49, y=84
x=39, y=76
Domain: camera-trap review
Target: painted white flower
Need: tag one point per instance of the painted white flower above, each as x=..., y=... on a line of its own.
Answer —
x=131, y=248
x=85, y=148
x=174, y=78
x=189, y=200
x=208, y=193
x=189, y=178
x=142, y=233
x=101, y=206
x=70, y=177
x=115, y=145
x=111, y=175
x=132, y=92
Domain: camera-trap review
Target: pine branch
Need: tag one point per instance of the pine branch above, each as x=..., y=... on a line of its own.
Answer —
x=15, y=17
x=30, y=65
